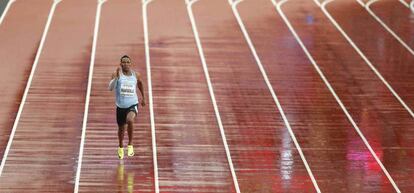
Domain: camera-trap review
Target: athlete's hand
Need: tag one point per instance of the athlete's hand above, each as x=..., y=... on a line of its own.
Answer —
x=143, y=102
x=117, y=72
x=115, y=75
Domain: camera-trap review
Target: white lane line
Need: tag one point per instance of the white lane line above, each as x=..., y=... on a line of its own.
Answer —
x=272, y=91
x=6, y=10
x=235, y=3
x=367, y=7
x=151, y=105
x=348, y=115
x=88, y=93
x=29, y=83
x=212, y=95
x=360, y=2
x=412, y=6
x=323, y=7
x=405, y=3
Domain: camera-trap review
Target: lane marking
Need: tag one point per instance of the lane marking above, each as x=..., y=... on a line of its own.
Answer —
x=272, y=91
x=412, y=6
x=88, y=93
x=151, y=105
x=323, y=7
x=211, y=91
x=405, y=3
x=29, y=83
x=367, y=7
x=6, y=10
x=360, y=2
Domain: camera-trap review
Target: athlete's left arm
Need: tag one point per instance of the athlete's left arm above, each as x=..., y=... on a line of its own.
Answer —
x=140, y=85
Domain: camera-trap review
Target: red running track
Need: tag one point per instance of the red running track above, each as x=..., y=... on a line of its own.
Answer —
x=120, y=32
x=398, y=17
x=381, y=118
x=263, y=153
x=191, y=155
x=46, y=143
x=393, y=61
x=190, y=149
x=330, y=142
x=19, y=43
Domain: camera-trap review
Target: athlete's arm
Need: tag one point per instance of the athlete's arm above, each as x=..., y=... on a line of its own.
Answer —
x=140, y=85
x=114, y=78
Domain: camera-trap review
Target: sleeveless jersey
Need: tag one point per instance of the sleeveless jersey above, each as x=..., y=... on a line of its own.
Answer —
x=125, y=90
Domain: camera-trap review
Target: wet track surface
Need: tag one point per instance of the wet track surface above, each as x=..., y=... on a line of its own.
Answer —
x=190, y=145
x=46, y=143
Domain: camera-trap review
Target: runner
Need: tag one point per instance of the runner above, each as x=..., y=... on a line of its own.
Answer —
x=124, y=81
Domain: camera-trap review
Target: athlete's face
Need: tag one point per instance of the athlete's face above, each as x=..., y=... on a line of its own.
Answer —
x=126, y=64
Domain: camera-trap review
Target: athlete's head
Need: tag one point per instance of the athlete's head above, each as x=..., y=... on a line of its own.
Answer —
x=126, y=63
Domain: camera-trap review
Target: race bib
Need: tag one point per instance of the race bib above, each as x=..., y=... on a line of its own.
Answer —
x=128, y=89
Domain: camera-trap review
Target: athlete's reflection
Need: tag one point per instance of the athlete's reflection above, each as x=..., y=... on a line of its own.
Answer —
x=125, y=185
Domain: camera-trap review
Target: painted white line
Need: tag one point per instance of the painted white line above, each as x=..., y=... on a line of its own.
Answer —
x=348, y=115
x=151, y=105
x=412, y=6
x=235, y=2
x=323, y=7
x=404, y=3
x=6, y=10
x=272, y=91
x=29, y=83
x=212, y=95
x=88, y=93
x=146, y=1
x=367, y=7
x=360, y=2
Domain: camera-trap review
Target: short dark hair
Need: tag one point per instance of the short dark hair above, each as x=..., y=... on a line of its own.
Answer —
x=125, y=56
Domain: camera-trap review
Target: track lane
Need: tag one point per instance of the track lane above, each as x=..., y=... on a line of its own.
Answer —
x=45, y=148
x=17, y=51
x=264, y=156
x=101, y=169
x=191, y=154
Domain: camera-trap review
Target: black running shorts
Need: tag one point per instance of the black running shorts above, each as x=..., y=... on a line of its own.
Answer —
x=121, y=114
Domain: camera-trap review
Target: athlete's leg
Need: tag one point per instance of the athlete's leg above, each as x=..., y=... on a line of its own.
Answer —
x=121, y=131
x=130, y=122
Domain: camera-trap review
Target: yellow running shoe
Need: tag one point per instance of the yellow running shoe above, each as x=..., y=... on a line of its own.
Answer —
x=130, y=150
x=120, y=153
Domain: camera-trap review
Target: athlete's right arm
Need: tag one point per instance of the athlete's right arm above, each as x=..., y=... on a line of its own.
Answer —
x=114, y=78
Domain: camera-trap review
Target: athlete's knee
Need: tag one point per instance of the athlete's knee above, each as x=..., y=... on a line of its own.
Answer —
x=130, y=120
x=121, y=128
x=130, y=117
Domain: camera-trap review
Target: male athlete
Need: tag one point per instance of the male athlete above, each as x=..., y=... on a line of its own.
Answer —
x=124, y=81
